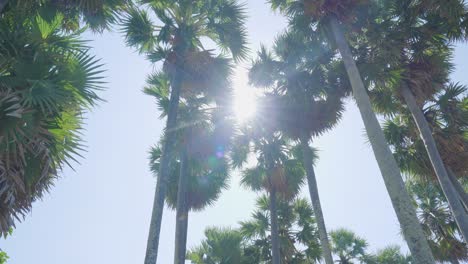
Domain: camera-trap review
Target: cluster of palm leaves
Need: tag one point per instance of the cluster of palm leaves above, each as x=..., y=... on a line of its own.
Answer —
x=392, y=57
x=48, y=80
x=299, y=240
x=194, y=94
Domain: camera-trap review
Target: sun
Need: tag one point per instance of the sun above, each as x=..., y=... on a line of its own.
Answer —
x=244, y=102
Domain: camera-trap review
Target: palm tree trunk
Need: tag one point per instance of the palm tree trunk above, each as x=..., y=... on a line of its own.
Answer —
x=182, y=211
x=459, y=188
x=162, y=179
x=275, y=247
x=458, y=211
x=399, y=196
x=315, y=199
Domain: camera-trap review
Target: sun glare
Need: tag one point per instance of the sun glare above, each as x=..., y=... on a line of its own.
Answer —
x=244, y=102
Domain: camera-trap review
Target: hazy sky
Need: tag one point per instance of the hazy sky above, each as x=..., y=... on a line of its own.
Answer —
x=100, y=212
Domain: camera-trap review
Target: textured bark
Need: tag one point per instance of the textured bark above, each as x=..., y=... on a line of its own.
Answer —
x=459, y=188
x=275, y=246
x=456, y=206
x=162, y=179
x=399, y=197
x=182, y=211
x=315, y=199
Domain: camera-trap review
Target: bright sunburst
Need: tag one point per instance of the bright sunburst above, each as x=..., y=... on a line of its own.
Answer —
x=244, y=101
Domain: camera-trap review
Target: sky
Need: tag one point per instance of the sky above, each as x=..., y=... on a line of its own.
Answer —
x=100, y=211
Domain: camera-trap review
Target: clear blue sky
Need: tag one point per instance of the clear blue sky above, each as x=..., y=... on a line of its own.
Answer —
x=100, y=212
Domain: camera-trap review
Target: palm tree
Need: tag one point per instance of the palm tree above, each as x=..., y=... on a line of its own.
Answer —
x=221, y=246
x=276, y=171
x=301, y=112
x=177, y=41
x=409, y=149
x=347, y=246
x=251, y=243
x=199, y=167
x=47, y=81
x=297, y=232
x=388, y=255
x=205, y=181
x=310, y=15
x=438, y=224
x=449, y=125
x=98, y=15
x=421, y=60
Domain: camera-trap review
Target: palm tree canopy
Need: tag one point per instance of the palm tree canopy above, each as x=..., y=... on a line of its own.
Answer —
x=208, y=165
x=347, y=246
x=221, y=246
x=98, y=15
x=298, y=232
x=183, y=23
x=388, y=255
x=207, y=178
x=276, y=167
x=437, y=221
x=445, y=113
x=47, y=80
x=304, y=100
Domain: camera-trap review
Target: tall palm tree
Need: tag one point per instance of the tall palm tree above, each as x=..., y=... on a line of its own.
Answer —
x=276, y=171
x=299, y=242
x=199, y=167
x=178, y=42
x=449, y=126
x=347, y=246
x=205, y=181
x=332, y=15
x=438, y=224
x=47, y=81
x=301, y=112
x=251, y=243
x=420, y=55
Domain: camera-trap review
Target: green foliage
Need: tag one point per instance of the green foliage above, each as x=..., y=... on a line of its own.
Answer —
x=298, y=232
x=47, y=81
x=251, y=243
x=347, y=246
x=437, y=221
x=3, y=257
x=221, y=246
x=182, y=25
x=98, y=15
x=388, y=255
x=276, y=169
x=296, y=74
x=208, y=167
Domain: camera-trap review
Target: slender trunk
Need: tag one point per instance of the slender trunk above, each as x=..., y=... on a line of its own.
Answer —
x=315, y=199
x=459, y=188
x=275, y=247
x=3, y=3
x=182, y=211
x=400, y=198
x=162, y=179
x=448, y=189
